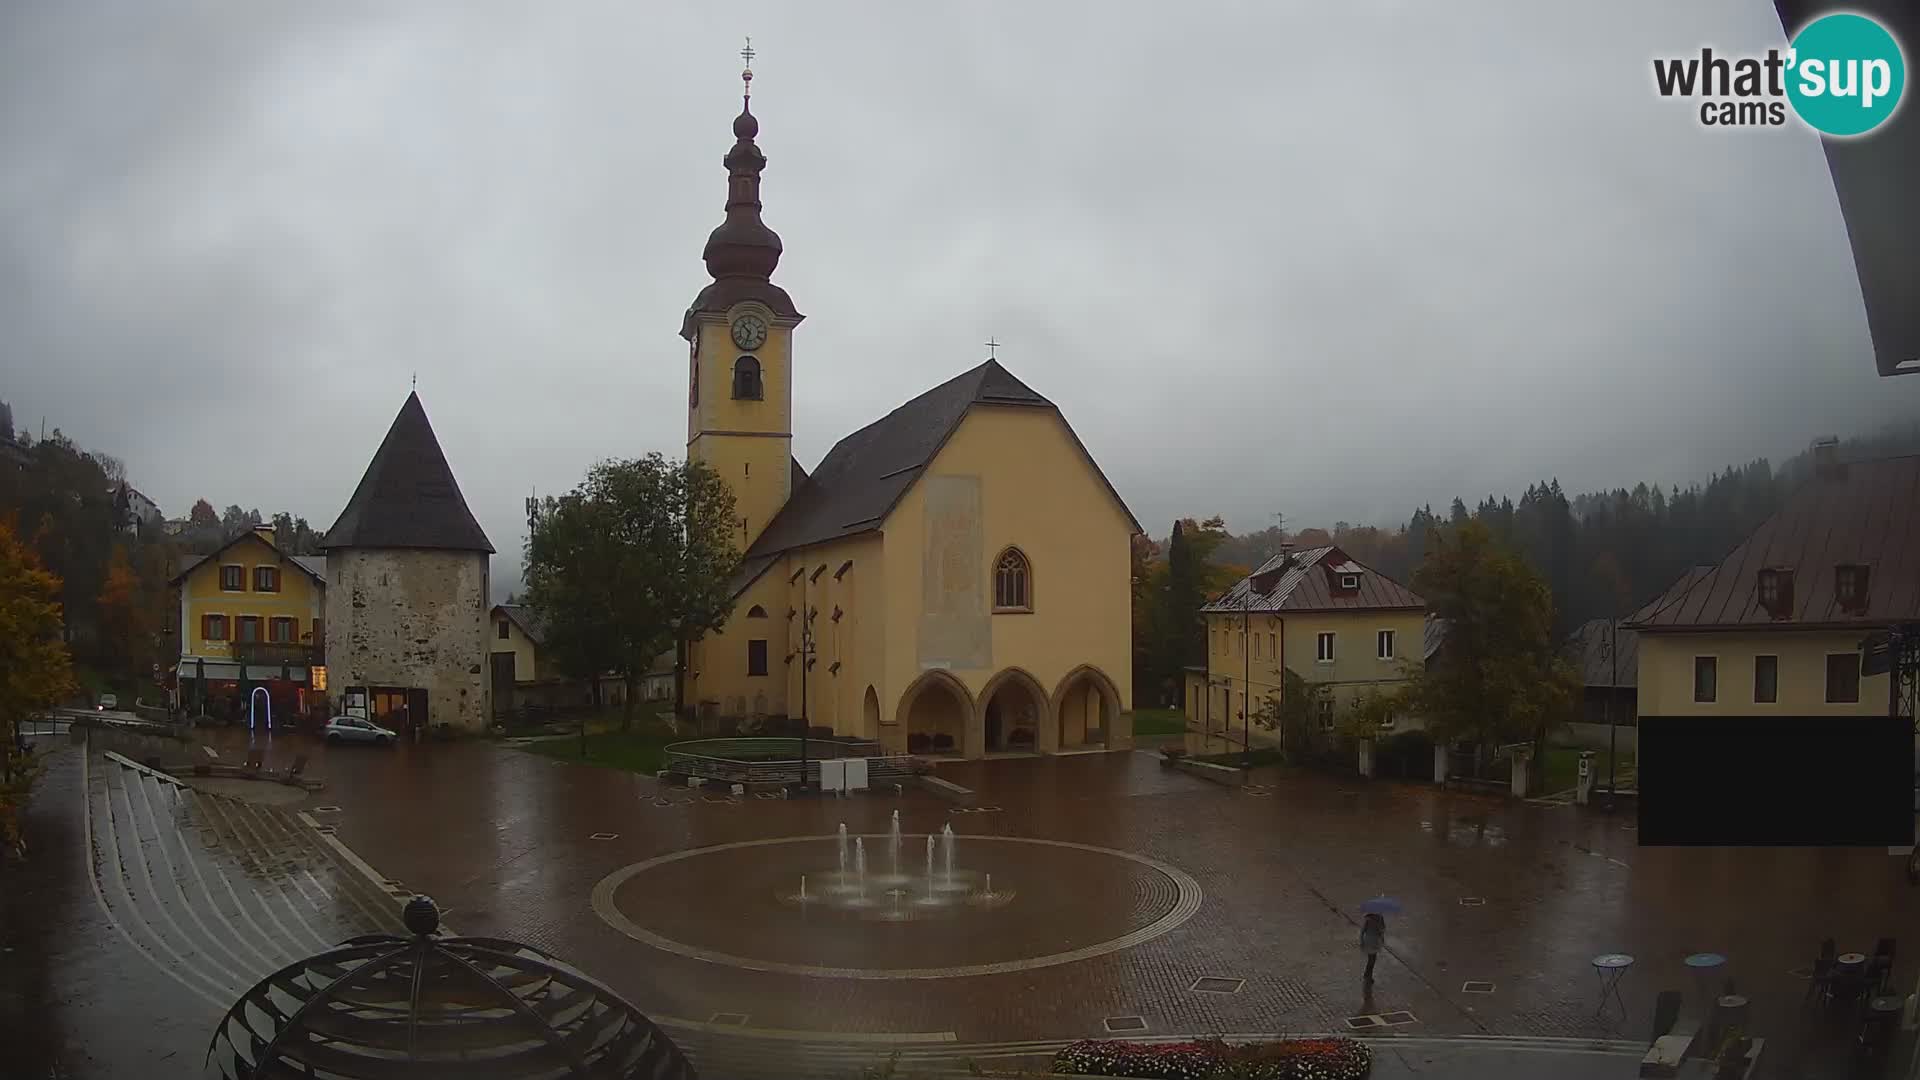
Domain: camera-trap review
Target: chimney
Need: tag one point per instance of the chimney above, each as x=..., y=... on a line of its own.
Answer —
x=265, y=533
x=1826, y=458
x=1286, y=554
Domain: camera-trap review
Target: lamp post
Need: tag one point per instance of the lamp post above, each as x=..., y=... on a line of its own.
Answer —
x=1612, y=647
x=806, y=659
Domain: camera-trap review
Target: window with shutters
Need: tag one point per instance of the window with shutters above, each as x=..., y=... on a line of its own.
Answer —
x=247, y=629
x=213, y=627
x=233, y=578
x=266, y=579
x=280, y=631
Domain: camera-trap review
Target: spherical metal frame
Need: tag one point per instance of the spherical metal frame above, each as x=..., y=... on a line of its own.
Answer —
x=387, y=1006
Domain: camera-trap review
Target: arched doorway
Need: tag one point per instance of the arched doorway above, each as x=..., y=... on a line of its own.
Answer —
x=1012, y=707
x=934, y=710
x=870, y=715
x=1086, y=709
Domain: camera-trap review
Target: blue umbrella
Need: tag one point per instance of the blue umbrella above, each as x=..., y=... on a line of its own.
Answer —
x=1381, y=905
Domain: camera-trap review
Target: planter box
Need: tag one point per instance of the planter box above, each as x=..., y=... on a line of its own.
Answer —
x=1207, y=770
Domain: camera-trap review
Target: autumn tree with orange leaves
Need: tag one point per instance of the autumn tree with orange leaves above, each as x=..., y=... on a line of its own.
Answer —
x=35, y=670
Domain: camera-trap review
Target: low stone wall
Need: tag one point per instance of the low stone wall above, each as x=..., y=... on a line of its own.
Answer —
x=139, y=744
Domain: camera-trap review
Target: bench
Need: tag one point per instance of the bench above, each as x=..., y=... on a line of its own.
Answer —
x=1207, y=770
x=946, y=789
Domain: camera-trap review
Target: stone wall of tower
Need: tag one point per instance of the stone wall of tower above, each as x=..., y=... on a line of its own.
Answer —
x=411, y=618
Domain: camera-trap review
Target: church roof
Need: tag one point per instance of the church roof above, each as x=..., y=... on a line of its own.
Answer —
x=865, y=474
x=408, y=497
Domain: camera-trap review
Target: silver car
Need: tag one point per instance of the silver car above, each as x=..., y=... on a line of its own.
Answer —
x=353, y=729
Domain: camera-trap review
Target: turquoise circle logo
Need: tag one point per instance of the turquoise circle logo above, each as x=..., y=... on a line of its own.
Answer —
x=1846, y=74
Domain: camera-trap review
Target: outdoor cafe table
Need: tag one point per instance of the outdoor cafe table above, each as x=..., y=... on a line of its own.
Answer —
x=1610, y=967
x=1705, y=966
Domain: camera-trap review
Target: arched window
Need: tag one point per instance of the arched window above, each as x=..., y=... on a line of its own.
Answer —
x=746, y=379
x=1012, y=582
x=756, y=612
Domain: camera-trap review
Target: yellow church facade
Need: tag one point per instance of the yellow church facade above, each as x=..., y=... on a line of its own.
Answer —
x=952, y=579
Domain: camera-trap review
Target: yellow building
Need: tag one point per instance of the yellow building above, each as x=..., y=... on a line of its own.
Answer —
x=952, y=578
x=250, y=616
x=1775, y=628
x=1316, y=612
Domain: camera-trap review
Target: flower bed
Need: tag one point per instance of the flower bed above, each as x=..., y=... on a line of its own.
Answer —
x=1281, y=1059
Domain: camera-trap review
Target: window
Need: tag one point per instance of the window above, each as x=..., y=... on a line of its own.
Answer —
x=266, y=579
x=1256, y=646
x=1387, y=722
x=757, y=656
x=1706, y=676
x=233, y=579
x=1766, y=679
x=1850, y=586
x=746, y=379
x=1383, y=644
x=213, y=627
x=1325, y=709
x=503, y=629
x=1273, y=646
x=1843, y=678
x=1776, y=592
x=756, y=612
x=280, y=631
x=1323, y=647
x=1012, y=582
x=247, y=629
x=1349, y=581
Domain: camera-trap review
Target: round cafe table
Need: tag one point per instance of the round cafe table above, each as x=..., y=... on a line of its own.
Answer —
x=1610, y=968
x=1705, y=966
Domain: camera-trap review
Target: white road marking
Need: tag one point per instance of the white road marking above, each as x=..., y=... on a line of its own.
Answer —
x=241, y=971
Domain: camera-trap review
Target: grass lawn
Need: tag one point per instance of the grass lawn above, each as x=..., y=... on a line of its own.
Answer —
x=1562, y=768
x=1158, y=722
x=636, y=751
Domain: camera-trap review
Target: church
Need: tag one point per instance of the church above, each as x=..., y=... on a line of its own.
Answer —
x=952, y=579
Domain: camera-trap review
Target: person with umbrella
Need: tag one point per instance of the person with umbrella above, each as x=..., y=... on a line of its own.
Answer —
x=1373, y=930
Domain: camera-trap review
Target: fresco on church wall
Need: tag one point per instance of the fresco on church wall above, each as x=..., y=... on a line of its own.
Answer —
x=954, y=629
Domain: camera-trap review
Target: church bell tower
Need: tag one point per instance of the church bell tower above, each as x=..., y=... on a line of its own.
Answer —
x=739, y=335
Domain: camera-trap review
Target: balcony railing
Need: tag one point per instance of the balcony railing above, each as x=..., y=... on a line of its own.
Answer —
x=275, y=654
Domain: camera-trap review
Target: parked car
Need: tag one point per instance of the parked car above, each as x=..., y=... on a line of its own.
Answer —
x=353, y=729
x=109, y=701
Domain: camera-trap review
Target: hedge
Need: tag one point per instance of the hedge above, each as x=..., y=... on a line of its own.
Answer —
x=1282, y=1059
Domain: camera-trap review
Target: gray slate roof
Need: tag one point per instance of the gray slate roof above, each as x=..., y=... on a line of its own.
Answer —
x=314, y=565
x=1298, y=581
x=528, y=620
x=1862, y=513
x=408, y=497
x=1587, y=647
x=865, y=474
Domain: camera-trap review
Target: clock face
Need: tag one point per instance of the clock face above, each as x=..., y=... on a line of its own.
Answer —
x=749, y=331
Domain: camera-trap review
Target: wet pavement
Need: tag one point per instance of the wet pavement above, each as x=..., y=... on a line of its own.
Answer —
x=513, y=844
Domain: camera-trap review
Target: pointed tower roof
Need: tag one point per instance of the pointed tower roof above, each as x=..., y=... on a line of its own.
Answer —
x=408, y=497
x=742, y=252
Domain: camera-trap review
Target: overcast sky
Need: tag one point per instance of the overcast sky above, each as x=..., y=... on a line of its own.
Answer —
x=1332, y=259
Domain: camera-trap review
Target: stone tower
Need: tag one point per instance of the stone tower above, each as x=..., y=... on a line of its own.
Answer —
x=407, y=589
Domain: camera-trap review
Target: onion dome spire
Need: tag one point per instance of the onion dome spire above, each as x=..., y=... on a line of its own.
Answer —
x=743, y=246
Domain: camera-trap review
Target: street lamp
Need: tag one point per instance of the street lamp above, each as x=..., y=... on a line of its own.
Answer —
x=806, y=660
x=1246, y=677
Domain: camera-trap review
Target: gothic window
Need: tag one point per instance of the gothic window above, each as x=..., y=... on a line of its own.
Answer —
x=1012, y=582
x=746, y=379
x=756, y=612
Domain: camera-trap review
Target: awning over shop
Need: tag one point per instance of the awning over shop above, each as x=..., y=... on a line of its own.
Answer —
x=198, y=669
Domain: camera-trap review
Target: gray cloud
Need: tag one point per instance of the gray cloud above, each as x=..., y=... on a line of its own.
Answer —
x=1336, y=261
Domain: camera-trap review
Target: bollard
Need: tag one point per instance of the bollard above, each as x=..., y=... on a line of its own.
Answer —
x=1583, y=786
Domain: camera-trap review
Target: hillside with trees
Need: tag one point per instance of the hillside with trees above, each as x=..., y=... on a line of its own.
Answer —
x=1601, y=553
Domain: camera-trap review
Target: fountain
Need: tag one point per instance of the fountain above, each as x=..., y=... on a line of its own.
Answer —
x=941, y=886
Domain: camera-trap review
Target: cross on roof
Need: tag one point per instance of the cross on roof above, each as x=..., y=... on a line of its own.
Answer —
x=747, y=53
x=992, y=345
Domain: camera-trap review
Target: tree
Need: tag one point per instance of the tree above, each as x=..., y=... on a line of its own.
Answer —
x=1500, y=680
x=35, y=668
x=125, y=635
x=637, y=557
x=203, y=515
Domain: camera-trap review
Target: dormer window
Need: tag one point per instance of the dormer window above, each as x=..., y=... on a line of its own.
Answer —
x=746, y=379
x=1349, y=581
x=1850, y=586
x=1776, y=591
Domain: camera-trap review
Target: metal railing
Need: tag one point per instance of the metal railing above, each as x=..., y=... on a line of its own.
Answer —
x=777, y=760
